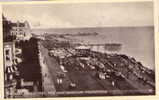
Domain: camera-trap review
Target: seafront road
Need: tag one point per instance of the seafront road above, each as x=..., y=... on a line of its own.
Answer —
x=47, y=82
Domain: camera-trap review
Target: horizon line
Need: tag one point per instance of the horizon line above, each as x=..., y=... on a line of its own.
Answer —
x=92, y=27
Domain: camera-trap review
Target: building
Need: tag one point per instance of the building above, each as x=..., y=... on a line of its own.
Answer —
x=10, y=68
x=6, y=30
x=9, y=57
x=15, y=30
x=12, y=32
x=82, y=51
x=21, y=30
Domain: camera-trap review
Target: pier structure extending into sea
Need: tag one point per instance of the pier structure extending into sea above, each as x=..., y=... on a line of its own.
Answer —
x=113, y=47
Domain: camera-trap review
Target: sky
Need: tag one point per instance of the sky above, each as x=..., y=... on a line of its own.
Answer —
x=71, y=15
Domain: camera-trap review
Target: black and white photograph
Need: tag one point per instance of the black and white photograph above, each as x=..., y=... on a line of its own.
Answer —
x=84, y=49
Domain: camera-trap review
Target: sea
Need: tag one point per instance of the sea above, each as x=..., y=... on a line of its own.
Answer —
x=137, y=42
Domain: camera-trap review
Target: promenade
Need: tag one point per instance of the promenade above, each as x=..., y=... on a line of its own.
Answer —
x=47, y=82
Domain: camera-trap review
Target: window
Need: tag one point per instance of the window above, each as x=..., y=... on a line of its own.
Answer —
x=7, y=58
x=7, y=52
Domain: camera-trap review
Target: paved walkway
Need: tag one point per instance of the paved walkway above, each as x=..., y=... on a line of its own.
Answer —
x=48, y=84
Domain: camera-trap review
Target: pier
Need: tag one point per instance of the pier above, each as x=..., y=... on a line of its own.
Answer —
x=101, y=47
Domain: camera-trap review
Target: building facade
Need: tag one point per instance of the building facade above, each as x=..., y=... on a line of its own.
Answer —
x=12, y=34
x=9, y=57
x=21, y=30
